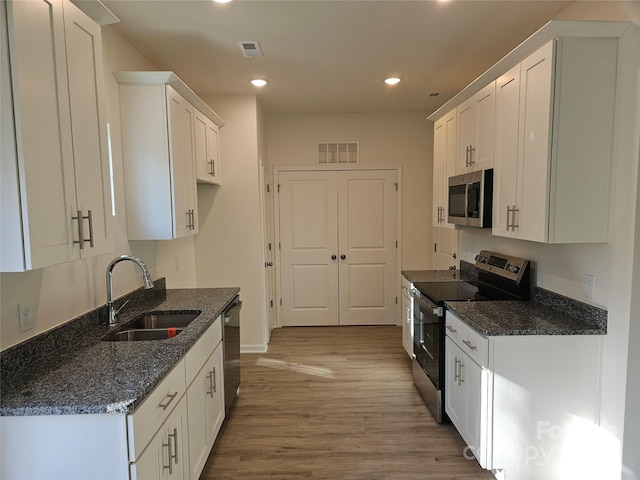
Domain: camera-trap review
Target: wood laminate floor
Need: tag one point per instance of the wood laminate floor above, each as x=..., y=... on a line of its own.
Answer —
x=334, y=403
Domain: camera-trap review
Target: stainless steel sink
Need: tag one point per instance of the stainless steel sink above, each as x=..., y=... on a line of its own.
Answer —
x=158, y=325
x=142, y=334
x=162, y=319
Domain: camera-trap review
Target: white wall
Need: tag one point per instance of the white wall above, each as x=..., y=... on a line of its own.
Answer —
x=404, y=139
x=229, y=246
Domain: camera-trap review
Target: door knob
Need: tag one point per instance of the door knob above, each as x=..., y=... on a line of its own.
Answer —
x=333, y=257
x=343, y=256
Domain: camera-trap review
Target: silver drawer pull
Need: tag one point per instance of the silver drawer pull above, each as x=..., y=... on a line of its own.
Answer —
x=170, y=466
x=469, y=344
x=174, y=455
x=170, y=396
x=451, y=329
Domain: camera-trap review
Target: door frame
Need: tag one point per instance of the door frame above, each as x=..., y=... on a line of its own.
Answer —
x=276, y=227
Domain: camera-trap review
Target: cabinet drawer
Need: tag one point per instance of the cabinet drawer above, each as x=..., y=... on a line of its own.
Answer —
x=201, y=351
x=145, y=421
x=470, y=341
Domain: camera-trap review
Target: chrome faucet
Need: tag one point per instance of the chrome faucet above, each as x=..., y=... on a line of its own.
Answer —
x=145, y=276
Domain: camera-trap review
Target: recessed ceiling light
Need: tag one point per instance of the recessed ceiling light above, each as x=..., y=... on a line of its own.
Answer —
x=258, y=82
x=392, y=80
x=222, y=1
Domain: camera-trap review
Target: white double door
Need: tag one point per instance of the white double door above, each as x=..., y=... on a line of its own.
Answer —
x=338, y=247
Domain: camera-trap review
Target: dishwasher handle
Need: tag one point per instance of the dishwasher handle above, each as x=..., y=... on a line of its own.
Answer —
x=232, y=311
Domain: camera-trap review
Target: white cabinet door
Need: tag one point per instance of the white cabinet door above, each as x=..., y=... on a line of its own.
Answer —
x=454, y=392
x=505, y=168
x=56, y=84
x=206, y=149
x=445, y=248
x=205, y=402
x=475, y=137
x=89, y=123
x=534, y=136
x=444, y=166
x=181, y=127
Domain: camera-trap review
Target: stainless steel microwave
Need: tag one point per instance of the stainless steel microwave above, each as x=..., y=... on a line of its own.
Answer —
x=470, y=199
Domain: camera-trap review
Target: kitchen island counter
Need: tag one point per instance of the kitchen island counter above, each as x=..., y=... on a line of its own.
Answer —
x=87, y=375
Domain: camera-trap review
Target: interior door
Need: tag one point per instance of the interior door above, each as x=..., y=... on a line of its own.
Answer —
x=367, y=245
x=308, y=205
x=338, y=247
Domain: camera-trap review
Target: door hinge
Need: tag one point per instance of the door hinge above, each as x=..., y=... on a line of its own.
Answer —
x=280, y=302
x=268, y=188
x=278, y=188
x=435, y=247
x=396, y=243
x=396, y=300
x=396, y=184
x=279, y=246
x=269, y=246
x=271, y=302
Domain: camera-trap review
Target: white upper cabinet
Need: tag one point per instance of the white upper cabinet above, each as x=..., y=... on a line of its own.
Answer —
x=475, y=118
x=55, y=183
x=554, y=125
x=444, y=161
x=162, y=130
x=207, y=152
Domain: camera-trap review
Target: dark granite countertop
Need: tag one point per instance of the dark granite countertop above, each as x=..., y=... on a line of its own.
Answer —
x=88, y=375
x=525, y=317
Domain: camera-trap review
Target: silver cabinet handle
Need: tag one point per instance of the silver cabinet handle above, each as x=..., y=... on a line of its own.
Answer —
x=469, y=344
x=170, y=396
x=212, y=170
x=456, y=372
x=173, y=456
x=471, y=150
x=513, y=216
x=215, y=383
x=451, y=329
x=460, y=379
x=508, y=212
x=170, y=466
x=81, y=218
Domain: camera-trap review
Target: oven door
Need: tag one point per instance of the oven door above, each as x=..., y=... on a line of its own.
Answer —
x=427, y=334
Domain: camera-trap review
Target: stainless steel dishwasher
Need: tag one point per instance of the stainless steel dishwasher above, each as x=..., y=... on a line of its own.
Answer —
x=231, y=337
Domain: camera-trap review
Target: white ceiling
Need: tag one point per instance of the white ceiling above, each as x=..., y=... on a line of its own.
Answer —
x=332, y=56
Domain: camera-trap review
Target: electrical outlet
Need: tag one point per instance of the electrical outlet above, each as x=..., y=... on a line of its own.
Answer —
x=589, y=285
x=25, y=314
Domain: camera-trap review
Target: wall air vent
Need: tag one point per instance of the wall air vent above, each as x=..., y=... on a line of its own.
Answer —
x=335, y=153
x=250, y=48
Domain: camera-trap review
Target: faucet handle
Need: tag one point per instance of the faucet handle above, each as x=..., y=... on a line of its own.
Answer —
x=120, y=308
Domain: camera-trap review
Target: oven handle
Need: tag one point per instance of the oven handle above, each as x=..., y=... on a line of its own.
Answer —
x=439, y=311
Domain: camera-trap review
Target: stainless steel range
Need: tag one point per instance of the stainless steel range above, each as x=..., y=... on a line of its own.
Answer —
x=500, y=277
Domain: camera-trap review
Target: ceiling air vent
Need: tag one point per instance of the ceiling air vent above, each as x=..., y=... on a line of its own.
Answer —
x=334, y=153
x=250, y=48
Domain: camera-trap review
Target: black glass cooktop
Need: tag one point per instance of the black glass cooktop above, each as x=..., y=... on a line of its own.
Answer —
x=450, y=291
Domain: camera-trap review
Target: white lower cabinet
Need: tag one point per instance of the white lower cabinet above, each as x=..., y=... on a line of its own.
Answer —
x=168, y=437
x=166, y=457
x=527, y=405
x=205, y=400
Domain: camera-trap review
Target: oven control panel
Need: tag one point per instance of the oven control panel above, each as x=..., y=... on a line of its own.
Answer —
x=501, y=265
